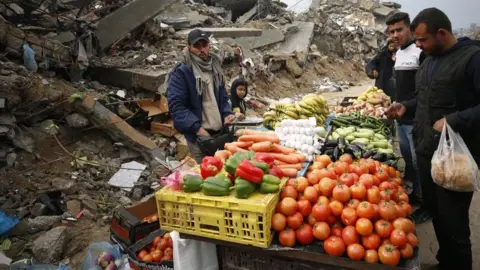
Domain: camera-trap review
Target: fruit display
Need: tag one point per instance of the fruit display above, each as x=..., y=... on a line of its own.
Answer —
x=359, y=121
x=311, y=105
x=375, y=96
x=161, y=249
x=358, y=209
x=362, y=107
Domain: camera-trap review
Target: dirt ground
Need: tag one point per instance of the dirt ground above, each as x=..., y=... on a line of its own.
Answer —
x=426, y=234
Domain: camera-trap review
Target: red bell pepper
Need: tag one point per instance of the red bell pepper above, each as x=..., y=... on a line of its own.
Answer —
x=264, y=158
x=275, y=171
x=210, y=166
x=231, y=177
x=246, y=170
x=213, y=161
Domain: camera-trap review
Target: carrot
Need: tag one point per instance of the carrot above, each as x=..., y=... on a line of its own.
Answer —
x=282, y=149
x=296, y=166
x=234, y=149
x=242, y=132
x=289, y=172
x=258, y=138
x=243, y=145
x=223, y=154
x=301, y=157
x=279, y=162
x=290, y=159
x=262, y=146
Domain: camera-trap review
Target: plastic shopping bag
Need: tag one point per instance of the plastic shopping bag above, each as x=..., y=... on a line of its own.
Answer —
x=189, y=254
x=100, y=255
x=453, y=167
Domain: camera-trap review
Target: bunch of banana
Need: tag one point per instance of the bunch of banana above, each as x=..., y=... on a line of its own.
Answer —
x=311, y=105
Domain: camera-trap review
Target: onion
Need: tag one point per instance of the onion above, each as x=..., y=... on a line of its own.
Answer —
x=104, y=259
x=111, y=266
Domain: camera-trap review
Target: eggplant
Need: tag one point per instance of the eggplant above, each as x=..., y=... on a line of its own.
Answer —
x=369, y=153
x=391, y=162
x=354, y=150
x=336, y=153
x=380, y=157
x=331, y=143
x=329, y=152
x=341, y=143
x=390, y=157
x=361, y=146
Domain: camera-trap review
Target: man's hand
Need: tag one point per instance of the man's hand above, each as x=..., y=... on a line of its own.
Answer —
x=240, y=116
x=203, y=133
x=375, y=74
x=229, y=119
x=438, y=126
x=395, y=111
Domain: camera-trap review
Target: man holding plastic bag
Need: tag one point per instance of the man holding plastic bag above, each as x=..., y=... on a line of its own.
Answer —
x=447, y=100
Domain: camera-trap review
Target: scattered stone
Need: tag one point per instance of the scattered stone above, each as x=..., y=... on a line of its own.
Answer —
x=35, y=225
x=89, y=203
x=294, y=68
x=38, y=210
x=64, y=185
x=16, y=248
x=77, y=120
x=74, y=207
x=48, y=127
x=48, y=248
x=105, y=220
x=11, y=157
x=137, y=193
x=124, y=200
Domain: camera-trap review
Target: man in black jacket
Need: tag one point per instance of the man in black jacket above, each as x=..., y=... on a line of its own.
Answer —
x=447, y=91
x=380, y=68
x=407, y=60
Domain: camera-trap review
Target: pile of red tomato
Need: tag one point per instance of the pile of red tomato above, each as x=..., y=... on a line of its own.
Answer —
x=357, y=208
x=160, y=250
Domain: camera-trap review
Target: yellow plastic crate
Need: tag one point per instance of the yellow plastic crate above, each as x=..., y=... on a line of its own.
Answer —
x=242, y=221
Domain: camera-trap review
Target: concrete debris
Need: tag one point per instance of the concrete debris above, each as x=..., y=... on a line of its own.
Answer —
x=35, y=225
x=48, y=248
x=226, y=32
x=268, y=37
x=64, y=185
x=77, y=120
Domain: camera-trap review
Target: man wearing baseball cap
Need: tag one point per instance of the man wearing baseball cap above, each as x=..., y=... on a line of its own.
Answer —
x=197, y=98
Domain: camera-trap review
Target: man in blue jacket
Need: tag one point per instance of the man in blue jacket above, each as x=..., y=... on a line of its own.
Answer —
x=197, y=98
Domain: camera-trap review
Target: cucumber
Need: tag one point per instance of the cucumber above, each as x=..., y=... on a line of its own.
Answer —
x=350, y=138
x=366, y=135
x=379, y=136
x=384, y=151
x=380, y=144
x=361, y=140
x=335, y=135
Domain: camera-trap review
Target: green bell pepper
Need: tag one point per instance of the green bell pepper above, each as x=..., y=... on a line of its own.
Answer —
x=243, y=188
x=270, y=184
x=192, y=183
x=271, y=179
x=262, y=165
x=233, y=162
x=216, y=186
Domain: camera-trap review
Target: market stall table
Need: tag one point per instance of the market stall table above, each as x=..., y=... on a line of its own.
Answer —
x=232, y=256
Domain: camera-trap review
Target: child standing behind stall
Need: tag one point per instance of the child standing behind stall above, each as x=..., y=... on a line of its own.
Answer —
x=238, y=92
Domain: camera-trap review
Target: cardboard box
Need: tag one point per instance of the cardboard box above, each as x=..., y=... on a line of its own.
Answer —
x=164, y=128
x=127, y=226
x=136, y=264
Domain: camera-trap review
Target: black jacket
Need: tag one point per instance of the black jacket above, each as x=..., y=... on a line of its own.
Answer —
x=383, y=64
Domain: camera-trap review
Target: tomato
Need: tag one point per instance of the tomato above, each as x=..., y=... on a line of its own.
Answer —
x=336, y=208
x=326, y=186
x=147, y=258
x=373, y=195
x=341, y=193
x=156, y=240
x=290, y=181
x=364, y=226
x=341, y=167
x=366, y=180
x=163, y=244
x=359, y=191
x=400, y=196
x=349, y=216
x=317, y=165
x=168, y=252
x=365, y=210
x=336, y=231
x=311, y=220
x=288, y=206
x=404, y=224
x=304, y=207
x=325, y=159
x=376, y=210
x=157, y=255
x=389, y=255
x=347, y=158
x=371, y=166
x=152, y=248
x=287, y=238
x=412, y=240
x=305, y=234
x=321, y=211
x=357, y=169
x=331, y=220
x=350, y=235
x=312, y=178
x=311, y=194
x=376, y=181
x=142, y=254
x=295, y=221
x=388, y=211
x=323, y=199
x=353, y=203
x=382, y=175
x=400, y=211
x=289, y=191
x=406, y=208
x=398, y=237
x=397, y=181
x=385, y=185
x=371, y=241
x=301, y=183
x=406, y=252
x=386, y=241
x=371, y=256
x=334, y=246
x=321, y=230
x=346, y=179
x=355, y=252
x=386, y=195
x=279, y=222
x=326, y=173
x=383, y=228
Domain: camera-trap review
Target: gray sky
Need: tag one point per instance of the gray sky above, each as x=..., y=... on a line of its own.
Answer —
x=460, y=12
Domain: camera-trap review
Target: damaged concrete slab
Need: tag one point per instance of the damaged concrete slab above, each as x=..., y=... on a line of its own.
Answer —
x=300, y=40
x=138, y=78
x=180, y=16
x=118, y=129
x=268, y=37
x=248, y=15
x=384, y=11
x=127, y=18
x=227, y=32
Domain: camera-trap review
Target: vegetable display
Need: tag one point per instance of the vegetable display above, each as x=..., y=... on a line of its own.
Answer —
x=311, y=105
x=358, y=209
x=375, y=96
x=359, y=121
x=158, y=251
x=364, y=108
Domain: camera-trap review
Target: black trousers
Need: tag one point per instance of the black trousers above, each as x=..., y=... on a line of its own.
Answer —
x=449, y=210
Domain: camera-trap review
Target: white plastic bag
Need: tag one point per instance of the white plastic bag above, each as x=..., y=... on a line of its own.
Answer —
x=453, y=167
x=191, y=254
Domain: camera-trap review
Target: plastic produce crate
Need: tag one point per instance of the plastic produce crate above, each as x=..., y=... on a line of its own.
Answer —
x=345, y=102
x=242, y=221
